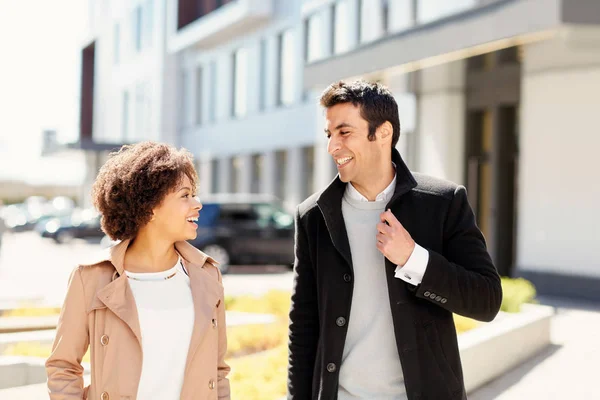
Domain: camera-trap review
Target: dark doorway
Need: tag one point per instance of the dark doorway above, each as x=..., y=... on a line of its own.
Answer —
x=493, y=93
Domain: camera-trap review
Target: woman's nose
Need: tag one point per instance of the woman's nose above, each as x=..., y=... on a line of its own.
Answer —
x=199, y=204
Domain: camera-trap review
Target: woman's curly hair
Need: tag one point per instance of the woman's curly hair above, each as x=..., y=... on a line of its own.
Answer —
x=134, y=181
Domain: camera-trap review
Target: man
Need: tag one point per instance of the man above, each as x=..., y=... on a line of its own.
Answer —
x=383, y=259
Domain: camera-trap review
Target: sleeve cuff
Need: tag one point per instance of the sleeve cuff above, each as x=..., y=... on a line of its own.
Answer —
x=413, y=271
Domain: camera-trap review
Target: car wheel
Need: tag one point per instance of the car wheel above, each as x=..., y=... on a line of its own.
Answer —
x=63, y=237
x=220, y=254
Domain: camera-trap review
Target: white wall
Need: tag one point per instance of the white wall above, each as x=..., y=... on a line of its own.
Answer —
x=441, y=121
x=559, y=180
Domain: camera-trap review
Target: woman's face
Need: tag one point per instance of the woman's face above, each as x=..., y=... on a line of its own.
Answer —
x=175, y=216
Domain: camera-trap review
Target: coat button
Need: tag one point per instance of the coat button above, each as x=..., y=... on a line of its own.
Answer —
x=438, y=298
x=214, y=323
x=341, y=321
x=104, y=342
x=426, y=294
x=331, y=367
x=432, y=296
x=444, y=300
x=347, y=277
x=211, y=384
x=104, y=396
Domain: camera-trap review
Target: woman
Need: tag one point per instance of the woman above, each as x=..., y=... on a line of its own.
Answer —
x=152, y=310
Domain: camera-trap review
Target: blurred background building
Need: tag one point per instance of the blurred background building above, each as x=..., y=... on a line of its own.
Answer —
x=497, y=95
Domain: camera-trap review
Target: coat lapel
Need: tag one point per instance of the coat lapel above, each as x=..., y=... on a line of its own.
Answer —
x=330, y=204
x=206, y=294
x=118, y=298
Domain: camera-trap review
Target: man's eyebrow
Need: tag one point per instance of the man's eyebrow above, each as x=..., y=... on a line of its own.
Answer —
x=340, y=126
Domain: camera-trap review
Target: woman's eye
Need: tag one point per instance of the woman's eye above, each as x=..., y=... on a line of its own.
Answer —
x=186, y=195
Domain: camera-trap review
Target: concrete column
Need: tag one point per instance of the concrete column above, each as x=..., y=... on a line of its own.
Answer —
x=324, y=170
x=294, y=177
x=557, y=229
x=268, y=179
x=206, y=174
x=400, y=85
x=245, y=173
x=441, y=121
x=224, y=185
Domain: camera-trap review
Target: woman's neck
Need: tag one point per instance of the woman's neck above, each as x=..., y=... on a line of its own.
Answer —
x=147, y=254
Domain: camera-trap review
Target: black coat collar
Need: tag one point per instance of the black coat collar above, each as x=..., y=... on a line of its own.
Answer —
x=330, y=204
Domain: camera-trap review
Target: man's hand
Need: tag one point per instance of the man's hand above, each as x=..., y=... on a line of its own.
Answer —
x=393, y=241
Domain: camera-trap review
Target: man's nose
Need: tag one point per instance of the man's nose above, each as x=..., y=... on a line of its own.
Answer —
x=333, y=145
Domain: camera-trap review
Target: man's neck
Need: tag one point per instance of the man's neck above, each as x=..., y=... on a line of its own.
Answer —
x=376, y=183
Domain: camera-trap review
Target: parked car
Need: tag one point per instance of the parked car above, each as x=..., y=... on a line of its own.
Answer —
x=245, y=229
x=81, y=224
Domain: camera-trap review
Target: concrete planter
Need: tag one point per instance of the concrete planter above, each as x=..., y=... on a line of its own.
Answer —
x=487, y=352
x=492, y=349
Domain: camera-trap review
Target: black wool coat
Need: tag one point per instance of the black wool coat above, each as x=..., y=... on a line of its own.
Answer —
x=460, y=278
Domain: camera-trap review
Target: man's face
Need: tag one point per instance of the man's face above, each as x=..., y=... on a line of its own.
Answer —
x=357, y=158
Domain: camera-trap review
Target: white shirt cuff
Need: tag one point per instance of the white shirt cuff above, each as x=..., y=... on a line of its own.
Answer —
x=413, y=271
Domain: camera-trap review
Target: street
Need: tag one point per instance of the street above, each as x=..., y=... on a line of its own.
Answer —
x=35, y=270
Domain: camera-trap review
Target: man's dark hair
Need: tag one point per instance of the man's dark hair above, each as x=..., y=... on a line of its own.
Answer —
x=134, y=181
x=375, y=101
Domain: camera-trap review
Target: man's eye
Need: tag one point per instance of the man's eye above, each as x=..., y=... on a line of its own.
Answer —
x=328, y=136
x=344, y=133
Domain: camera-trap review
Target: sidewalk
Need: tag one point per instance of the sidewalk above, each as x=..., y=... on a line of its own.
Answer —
x=566, y=370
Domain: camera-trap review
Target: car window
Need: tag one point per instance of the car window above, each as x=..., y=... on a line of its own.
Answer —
x=208, y=214
x=269, y=214
x=237, y=213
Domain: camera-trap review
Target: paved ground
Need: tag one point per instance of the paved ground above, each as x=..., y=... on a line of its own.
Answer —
x=36, y=270
x=567, y=370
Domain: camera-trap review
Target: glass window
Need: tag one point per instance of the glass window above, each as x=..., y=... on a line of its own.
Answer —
x=371, y=27
x=257, y=172
x=240, y=83
x=199, y=95
x=341, y=36
x=401, y=14
x=280, y=171
x=147, y=22
x=315, y=31
x=430, y=10
x=125, y=116
x=212, y=98
x=287, y=68
x=214, y=169
x=185, y=99
x=262, y=70
x=117, y=43
x=137, y=28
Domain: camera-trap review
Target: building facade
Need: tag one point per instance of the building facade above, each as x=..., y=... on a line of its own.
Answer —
x=493, y=94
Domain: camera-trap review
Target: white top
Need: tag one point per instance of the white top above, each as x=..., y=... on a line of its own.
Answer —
x=166, y=315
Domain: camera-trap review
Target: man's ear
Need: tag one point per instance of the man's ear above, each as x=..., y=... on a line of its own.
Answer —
x=385, y=131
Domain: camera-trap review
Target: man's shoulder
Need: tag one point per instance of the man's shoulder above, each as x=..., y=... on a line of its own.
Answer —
x=434, y=186
x=309, y=204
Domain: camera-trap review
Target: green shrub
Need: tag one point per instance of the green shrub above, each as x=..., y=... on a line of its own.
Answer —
x=516, y=292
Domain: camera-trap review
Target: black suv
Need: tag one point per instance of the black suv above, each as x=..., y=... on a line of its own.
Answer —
x=245, y=229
